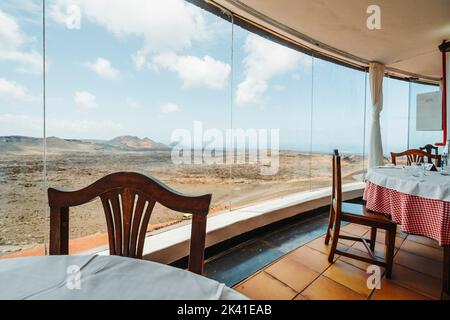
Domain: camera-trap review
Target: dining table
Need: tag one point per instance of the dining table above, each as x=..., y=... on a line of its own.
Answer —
x=95, y=277
x=416, y=199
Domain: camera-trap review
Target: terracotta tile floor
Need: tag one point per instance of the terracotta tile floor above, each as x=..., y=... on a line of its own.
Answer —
x=305, y=273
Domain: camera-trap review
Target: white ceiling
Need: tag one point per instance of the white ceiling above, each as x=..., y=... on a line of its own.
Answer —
x=411, y=30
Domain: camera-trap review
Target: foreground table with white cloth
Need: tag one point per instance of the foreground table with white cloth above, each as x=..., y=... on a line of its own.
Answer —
x=104, y=277
x=420, y=203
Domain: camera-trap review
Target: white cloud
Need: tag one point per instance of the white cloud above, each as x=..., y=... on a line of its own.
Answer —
x=85, y=100
x=11, y=37
x=163, y=25
x=32, y=10
x=11, y=89
x=250, y=90
x=12, y=41
x=103, y=68
x=194, y=71
x=264, y=60
x=170, y=108
x=139, y=59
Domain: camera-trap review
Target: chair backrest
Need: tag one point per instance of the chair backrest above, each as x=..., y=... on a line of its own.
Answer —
x=128, y=199
x=336, y=192
x=429, y=148
x=412, y=155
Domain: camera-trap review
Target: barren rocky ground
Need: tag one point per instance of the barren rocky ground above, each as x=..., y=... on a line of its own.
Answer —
x=23, y=201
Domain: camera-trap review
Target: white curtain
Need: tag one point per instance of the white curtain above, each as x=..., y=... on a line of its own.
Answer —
x=376, y=74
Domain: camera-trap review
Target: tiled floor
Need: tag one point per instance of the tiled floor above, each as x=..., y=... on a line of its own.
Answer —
x=304, y=273
x=240, y=262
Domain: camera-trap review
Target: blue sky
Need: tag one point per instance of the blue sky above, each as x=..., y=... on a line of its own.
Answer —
x=147, y=67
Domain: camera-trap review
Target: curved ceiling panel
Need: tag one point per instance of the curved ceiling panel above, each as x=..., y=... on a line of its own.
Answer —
x=407, y=43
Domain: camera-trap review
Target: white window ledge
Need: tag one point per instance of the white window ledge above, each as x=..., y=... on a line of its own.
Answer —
x=172, y=244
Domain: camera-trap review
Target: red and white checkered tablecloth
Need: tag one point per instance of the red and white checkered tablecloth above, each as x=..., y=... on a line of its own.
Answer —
x=417, y=215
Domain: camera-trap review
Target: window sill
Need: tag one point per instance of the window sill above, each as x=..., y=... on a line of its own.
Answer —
x=173, y=244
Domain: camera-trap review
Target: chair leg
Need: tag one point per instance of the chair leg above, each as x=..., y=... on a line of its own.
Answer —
x=330, y=225
x=334, y=242
x=390, y=248
x=373, y=238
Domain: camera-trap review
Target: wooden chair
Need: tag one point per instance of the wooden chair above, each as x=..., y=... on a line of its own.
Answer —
x=429, y=148
x=128, y=200
x=412, y=155
x=356, y=213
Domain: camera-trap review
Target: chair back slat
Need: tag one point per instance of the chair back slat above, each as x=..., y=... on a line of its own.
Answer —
x=140, y=205
x=143, y=228
x=109, y=225
x=117, y=218
x=127, y=197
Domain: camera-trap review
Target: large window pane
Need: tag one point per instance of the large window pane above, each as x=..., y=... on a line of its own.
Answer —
x=394, y=117
x=22, y=195
x=130, y=84
x=337, y=122
x=271, y=103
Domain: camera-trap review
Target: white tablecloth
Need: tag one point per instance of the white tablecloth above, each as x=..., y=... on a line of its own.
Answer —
x=104, y=277
x=433, y=185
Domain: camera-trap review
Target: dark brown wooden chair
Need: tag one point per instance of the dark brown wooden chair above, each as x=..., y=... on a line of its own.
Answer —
x=429, y=148
x=412, y=155
x=128, y=199
x=357, y=213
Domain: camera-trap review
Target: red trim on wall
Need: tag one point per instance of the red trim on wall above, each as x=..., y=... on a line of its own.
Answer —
x=444, y=100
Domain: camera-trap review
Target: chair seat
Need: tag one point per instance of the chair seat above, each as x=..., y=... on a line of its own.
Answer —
x=360, y=211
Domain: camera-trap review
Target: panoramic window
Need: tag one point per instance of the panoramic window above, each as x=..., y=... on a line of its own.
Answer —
x=169, y=90
x=187, y=149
